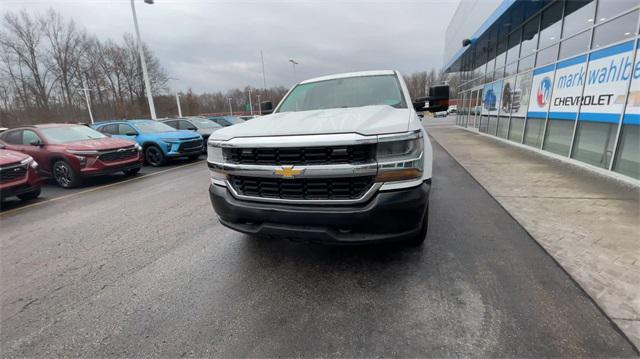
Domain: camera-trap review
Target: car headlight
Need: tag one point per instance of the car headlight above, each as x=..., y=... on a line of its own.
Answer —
x=400, y=157
x=31, y=162
x=169, y=140
x=137, y=147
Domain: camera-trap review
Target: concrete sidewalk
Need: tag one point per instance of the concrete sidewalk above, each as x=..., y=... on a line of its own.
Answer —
x=589, y=223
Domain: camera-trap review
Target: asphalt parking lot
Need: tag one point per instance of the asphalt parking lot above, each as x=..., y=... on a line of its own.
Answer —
x=143, y=268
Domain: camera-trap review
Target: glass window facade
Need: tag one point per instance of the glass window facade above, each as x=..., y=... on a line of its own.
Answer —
x=621, y=28
x=567, y=81
x=551, y=25
x=578, y=15
x=574, y=45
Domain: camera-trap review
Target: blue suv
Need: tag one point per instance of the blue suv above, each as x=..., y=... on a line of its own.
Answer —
x=159, y=141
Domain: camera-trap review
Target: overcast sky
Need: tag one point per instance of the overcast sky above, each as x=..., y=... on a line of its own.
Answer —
x=215, y=45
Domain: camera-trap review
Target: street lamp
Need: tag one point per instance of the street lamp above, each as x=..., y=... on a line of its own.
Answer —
x=250, y=103
x=86, y=96
x=294, y=63
x=177, y=96
x=259, y=106
x=147, y=83
x=230, y=109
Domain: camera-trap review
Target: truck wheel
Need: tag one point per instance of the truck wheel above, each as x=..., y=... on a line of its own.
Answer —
x=64, y=175
x=422, y=235
x=29, y=195
x=154, y=156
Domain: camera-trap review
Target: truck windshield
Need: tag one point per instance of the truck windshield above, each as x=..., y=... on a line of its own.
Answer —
x=345, y=92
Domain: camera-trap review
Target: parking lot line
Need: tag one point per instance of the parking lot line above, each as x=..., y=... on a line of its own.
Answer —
x=93, y=189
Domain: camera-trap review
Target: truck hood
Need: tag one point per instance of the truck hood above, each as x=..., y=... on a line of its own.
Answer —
x=367, y=120
x=9, y=157
x=107, y=143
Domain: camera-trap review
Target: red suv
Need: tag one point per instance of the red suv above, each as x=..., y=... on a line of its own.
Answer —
x=18, y=175
x=69, y=153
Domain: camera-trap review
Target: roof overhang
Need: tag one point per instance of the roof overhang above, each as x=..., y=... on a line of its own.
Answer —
x=507, y=16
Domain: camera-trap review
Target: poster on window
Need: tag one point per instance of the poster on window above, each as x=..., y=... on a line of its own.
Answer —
x=632, y=114
x=508, y=91
x=521, y=93
x=607, y=80
x=541, y=89
x=569, y=81
x=491, y=98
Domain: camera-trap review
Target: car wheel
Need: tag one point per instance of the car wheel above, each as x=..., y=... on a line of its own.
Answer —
x=132, y=172
x=154, y=156
x=64, y=175
x=29, y=195
x=422, y=235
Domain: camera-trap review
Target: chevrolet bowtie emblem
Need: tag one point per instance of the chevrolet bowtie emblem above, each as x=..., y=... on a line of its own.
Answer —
x=288, y=172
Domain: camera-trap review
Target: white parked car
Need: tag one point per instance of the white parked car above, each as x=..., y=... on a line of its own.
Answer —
x=343, y=158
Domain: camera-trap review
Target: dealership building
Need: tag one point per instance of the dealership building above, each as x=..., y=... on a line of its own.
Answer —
x=561, y=76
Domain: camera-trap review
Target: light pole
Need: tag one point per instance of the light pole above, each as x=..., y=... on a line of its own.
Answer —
x=177, y=97
x=250, y=103
x=178, y=102
x=230, y=109
x=264, y=77
x=294, y=63
x=147, y=83
x=86, y=96
x=259, y=106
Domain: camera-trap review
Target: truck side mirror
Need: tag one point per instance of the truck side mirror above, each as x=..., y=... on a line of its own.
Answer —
x=267, y=107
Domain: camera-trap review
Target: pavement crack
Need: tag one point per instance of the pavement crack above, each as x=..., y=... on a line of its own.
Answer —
x=27, y=305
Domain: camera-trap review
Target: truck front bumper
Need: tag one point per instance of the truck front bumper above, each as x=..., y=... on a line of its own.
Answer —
x=388, y=216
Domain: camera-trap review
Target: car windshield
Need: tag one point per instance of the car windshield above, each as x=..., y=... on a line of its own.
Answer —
x=153, y=127
x=64, y=134
x=221, y=121
x=235, y=120
x=345, y=92
x=204, y=123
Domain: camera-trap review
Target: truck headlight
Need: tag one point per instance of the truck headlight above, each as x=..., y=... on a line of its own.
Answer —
x=400, y=157
x=215, y=158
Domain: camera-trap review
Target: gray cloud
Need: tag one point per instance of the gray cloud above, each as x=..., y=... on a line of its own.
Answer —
x=215, y=45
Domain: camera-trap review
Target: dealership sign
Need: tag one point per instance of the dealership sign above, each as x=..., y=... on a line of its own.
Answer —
x=596, y=85
x=632, y=113
x=541, y=90
x=607, y=81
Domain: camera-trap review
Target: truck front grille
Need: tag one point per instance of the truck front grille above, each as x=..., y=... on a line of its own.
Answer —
x=301, y=155
x=12, y=173
x=118, y=155
x=302, y=188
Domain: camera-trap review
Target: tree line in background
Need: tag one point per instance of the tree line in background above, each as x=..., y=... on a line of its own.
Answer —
x=419, y=82
x=48, y=64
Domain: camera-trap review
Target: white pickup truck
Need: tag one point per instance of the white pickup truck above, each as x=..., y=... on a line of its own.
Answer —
x=342, y=159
